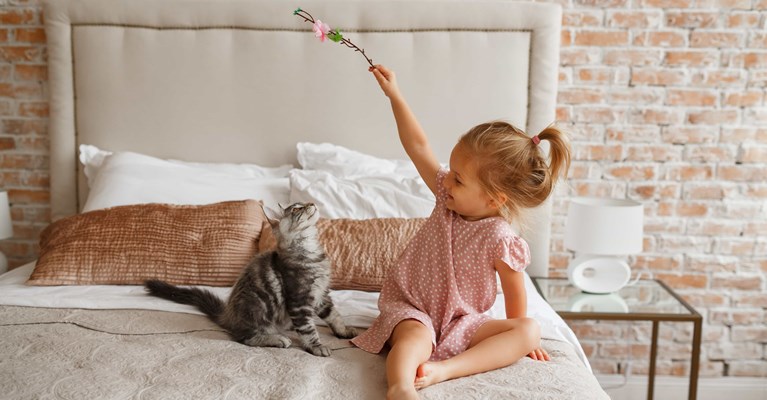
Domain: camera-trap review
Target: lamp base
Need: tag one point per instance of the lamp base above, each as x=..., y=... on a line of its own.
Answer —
x=607, y=303
x=598, y=274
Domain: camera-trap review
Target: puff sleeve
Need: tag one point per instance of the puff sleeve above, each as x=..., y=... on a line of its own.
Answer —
x=514, y=251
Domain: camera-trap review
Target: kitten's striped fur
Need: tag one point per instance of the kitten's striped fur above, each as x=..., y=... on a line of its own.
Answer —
x=286, y=287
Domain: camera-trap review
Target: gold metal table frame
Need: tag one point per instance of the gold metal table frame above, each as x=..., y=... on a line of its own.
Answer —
x=559, y=293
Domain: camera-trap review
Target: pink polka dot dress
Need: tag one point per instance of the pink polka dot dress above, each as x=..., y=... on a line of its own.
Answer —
x=446, y=279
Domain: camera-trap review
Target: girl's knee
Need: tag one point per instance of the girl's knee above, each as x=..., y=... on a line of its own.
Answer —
x=532, y=331
x=410, y=330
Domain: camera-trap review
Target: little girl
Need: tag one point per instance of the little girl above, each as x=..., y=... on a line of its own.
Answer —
x=432, y=305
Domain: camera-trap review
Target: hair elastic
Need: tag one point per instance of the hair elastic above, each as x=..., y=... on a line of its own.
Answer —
x=536, y=140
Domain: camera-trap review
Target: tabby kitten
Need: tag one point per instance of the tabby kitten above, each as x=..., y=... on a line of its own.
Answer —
x=285, y=287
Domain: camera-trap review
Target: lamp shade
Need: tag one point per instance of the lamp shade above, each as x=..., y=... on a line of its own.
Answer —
x=604, y=226
x=6, y=227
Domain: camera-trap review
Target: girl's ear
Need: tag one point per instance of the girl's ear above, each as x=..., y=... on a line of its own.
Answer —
x=498, y=200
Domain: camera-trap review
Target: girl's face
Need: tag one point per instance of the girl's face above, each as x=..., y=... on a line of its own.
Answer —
x=465, y=196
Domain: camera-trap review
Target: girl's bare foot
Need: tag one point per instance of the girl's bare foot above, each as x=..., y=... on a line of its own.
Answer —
x=406, y=392
x=430, y=373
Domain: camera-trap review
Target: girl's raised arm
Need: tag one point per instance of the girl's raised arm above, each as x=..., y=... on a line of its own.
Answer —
x=411, y=134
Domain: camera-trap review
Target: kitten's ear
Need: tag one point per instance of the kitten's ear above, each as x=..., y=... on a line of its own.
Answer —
x=272, y=215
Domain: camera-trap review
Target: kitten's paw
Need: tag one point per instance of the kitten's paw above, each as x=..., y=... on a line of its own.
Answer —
x=347, y=333
x=283, y=342
x=319, y=351
x=279, y=341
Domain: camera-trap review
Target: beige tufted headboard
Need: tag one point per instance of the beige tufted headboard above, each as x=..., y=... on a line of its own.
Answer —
x=243, y=81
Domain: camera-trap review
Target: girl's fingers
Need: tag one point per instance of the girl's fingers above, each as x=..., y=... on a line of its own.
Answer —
x=539, y=355
x=379, y=77
x=384, y=71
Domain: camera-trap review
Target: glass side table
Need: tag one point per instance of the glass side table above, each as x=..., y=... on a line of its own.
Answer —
x=647, y=300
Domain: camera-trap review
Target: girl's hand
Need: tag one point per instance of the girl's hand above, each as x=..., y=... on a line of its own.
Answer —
x=539, y=354
x=386, y=80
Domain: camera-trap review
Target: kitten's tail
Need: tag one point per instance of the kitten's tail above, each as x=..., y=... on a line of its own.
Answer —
x=204, y=300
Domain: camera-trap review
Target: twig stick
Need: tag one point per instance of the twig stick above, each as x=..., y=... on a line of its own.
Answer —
x=334, y=35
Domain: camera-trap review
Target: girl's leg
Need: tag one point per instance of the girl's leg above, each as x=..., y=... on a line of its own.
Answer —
x=497, y=343
x=411, y=345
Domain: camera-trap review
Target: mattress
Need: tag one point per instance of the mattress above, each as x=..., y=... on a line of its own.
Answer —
x=118, y=342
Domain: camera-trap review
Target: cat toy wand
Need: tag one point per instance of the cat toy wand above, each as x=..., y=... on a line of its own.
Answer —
x=323, y=32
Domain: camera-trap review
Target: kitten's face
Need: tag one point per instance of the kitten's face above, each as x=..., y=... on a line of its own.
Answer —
x=300, y=216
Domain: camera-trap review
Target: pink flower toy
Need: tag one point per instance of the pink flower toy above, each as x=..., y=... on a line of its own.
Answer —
x=323, y=32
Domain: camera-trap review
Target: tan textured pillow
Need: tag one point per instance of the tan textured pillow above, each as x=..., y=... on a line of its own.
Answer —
x=184, y=245
x=362, y=252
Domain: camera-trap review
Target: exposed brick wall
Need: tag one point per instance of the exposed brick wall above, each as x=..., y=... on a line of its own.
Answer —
x=24, y=166
x=666, y=103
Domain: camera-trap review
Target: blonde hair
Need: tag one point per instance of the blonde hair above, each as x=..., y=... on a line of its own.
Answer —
x=511, y=163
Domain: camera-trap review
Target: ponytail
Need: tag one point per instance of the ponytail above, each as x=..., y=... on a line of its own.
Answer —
x=559, y=152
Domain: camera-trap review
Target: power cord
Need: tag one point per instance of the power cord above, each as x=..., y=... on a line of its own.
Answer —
x=626, y=370
x=639, y=276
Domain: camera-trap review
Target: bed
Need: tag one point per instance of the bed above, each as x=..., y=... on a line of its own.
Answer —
x=198, y=102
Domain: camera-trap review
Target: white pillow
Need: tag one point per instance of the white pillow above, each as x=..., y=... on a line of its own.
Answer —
x=362, y=197
x=124, y=178
x=345, y=183
x=92, y=158
x=344, y=162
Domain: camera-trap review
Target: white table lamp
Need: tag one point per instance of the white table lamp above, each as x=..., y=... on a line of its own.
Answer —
x=6, y=227
x=602, y=232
